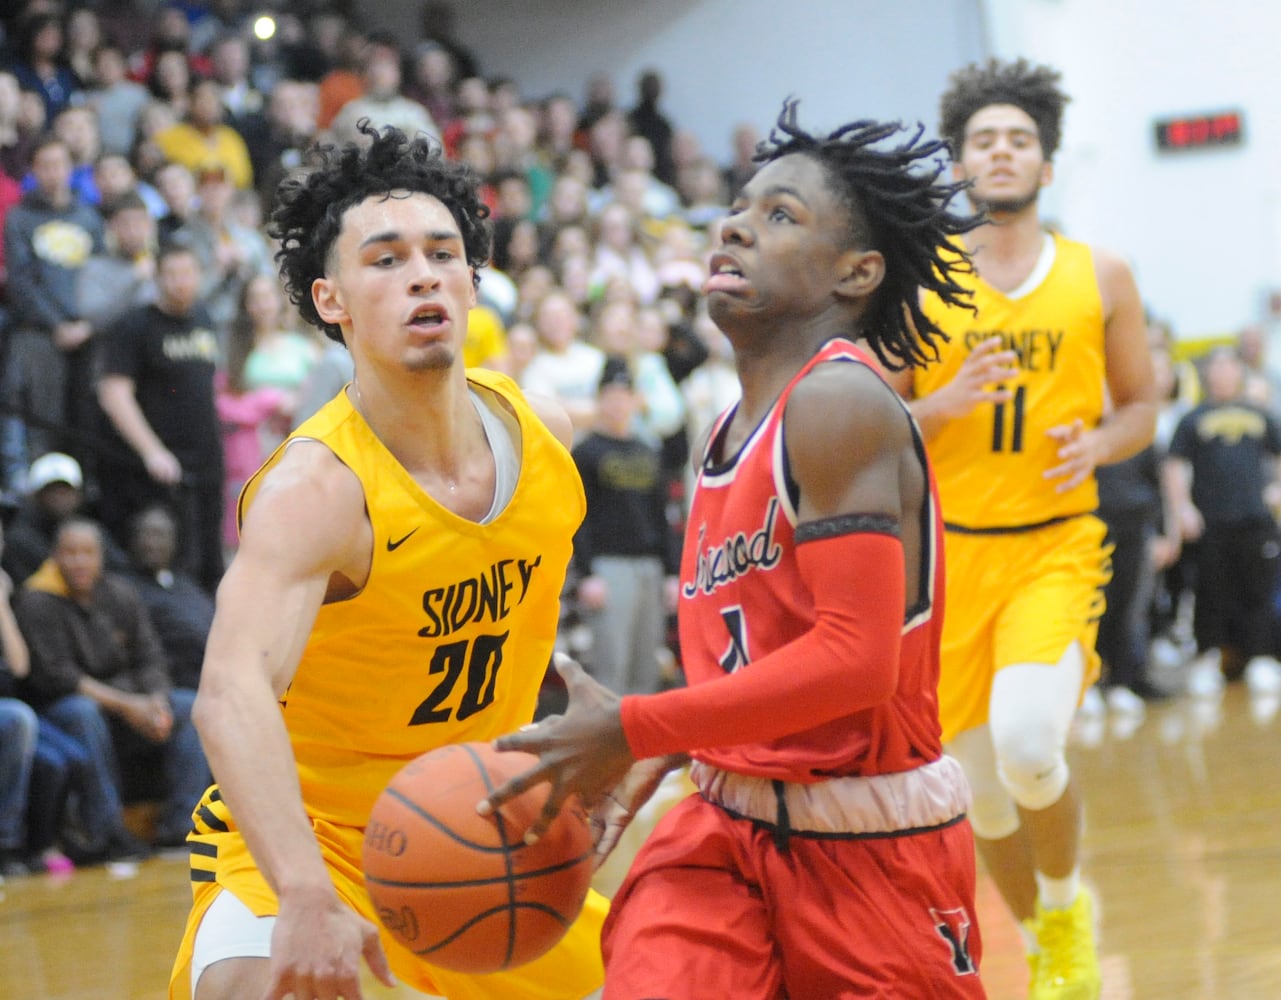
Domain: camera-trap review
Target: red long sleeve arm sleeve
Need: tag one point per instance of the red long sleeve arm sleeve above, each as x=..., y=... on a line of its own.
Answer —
x=847, y=662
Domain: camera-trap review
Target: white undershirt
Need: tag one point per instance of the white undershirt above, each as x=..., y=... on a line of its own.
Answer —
x=1043, y=264
x=502, y=431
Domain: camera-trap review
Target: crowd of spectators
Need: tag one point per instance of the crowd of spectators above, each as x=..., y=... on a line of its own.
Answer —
x=151, y=362
x=1194, y=602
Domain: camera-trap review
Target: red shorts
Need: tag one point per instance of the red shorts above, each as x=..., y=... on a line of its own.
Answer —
x=713, y=907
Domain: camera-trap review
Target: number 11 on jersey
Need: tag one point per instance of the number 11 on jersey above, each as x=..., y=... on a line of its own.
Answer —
x=1007, y=422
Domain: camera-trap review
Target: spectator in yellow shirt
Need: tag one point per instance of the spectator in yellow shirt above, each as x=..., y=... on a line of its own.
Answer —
x=486, y=343
x=203, y=139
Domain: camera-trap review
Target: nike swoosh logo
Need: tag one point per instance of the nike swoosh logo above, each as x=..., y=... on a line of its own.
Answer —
x=393, y=546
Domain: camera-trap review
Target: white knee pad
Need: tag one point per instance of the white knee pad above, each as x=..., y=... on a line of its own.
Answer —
x=1030, y=716
x=993, y=815
x=1035, y=780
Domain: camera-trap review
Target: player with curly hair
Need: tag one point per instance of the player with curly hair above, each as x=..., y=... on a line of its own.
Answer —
x=827, y=853
x=1048, y=380
x=419, y=482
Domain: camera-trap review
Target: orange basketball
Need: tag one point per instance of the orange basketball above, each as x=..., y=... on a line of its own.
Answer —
x=464, y=891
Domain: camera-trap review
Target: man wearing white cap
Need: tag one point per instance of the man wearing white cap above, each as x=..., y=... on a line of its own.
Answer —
x=54, y=491
x=52, y=468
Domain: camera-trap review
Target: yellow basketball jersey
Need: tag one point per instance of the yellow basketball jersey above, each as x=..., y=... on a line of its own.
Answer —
x=990, y=464
x=451, y=636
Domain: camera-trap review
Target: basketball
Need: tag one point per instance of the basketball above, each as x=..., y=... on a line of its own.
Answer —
x=464, y=891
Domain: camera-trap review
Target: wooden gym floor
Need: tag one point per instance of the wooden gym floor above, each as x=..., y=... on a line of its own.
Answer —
x=1183, y=841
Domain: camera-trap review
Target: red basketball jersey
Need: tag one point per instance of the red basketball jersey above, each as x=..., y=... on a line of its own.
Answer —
x=742, y=597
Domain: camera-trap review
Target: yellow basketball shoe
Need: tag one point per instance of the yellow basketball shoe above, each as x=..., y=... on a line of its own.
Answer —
x=1068, y=966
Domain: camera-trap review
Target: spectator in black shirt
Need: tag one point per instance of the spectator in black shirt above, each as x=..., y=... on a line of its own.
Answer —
x=180, y=609
x=646, y=119
x=1223, y=476
x=1131, y=505
x=624, y=550
x=157, y=389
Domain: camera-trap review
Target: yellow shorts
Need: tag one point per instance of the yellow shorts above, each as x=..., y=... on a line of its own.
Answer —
x=221, y=860
x=1021, y=597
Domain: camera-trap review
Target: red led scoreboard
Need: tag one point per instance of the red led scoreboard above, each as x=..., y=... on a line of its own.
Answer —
x=1218, y=130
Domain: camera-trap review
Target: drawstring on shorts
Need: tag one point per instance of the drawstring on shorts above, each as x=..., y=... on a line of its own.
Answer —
x=782, y=826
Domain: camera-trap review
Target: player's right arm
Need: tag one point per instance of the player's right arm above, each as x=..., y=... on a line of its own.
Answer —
x=979, y=380
x=305, y=530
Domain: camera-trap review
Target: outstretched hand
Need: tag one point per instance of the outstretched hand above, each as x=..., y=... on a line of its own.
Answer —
x=981, y=378
x=583, y=751
x=1078, y=454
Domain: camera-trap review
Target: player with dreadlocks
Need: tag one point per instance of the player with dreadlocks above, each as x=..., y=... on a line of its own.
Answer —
x=828, y=852
x=1048, y=380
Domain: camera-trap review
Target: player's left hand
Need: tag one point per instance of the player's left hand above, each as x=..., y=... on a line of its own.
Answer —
x=1079, y=455
x=615, y=812
x=583, y=751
